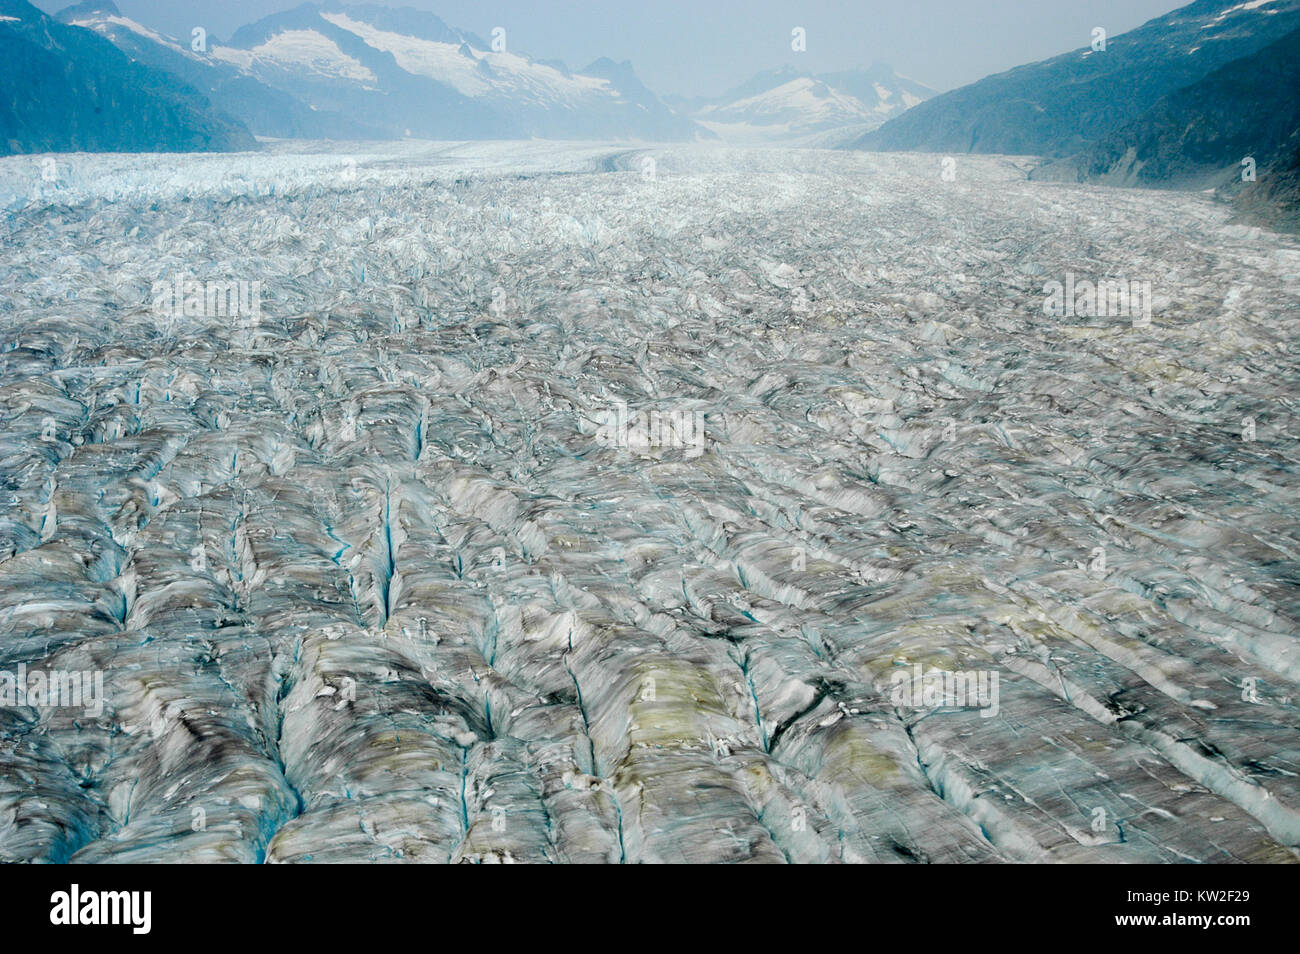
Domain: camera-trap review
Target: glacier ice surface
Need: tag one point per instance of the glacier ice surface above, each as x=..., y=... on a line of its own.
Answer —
x=604, y=503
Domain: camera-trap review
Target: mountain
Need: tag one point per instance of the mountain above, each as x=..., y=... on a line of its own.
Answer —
x=1061, y=106
x=265, y=110
x=787, y=104
x=336, y=70
x=1197, y=136
x=64, y=89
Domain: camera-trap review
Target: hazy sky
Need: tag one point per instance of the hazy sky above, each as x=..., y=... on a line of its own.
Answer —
x=702, y=47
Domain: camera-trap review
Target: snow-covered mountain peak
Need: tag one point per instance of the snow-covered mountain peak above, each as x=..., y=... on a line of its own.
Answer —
x=786, y=104
x=300, y=49
x=460, y=66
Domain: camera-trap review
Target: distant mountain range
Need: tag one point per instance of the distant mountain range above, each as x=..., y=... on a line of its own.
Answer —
x=788, y=105
x=90, y=78
x=65, y=89
x=334, y=70
x=1177, y=103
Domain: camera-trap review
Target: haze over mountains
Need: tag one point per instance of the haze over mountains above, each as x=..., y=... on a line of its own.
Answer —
x=341, y=71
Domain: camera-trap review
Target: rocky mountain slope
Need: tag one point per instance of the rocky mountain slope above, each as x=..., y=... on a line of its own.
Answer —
x=1064, y=105
x=1197, y=136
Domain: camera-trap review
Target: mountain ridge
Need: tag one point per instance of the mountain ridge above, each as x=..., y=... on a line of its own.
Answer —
x=339, y=70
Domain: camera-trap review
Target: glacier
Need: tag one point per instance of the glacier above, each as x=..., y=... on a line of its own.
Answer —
x=592, y=503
